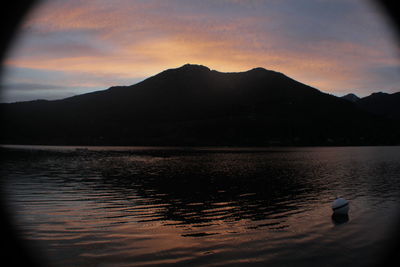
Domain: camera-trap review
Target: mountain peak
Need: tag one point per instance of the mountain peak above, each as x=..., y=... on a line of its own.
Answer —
x=194, y=67
x=258, y=69
x=351, y=97
x=379, y=94
x=261, y=71
x=198, y=67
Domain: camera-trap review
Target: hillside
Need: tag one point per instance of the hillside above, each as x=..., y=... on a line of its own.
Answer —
x=384, y=104
x=193, y=105
x=351, y=97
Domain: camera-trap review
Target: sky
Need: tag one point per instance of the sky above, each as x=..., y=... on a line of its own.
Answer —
x=70, y=47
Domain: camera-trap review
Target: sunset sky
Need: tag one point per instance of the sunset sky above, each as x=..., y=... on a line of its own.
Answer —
x=69, y=47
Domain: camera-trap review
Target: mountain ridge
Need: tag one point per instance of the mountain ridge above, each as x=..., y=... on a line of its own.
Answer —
x=379, y=103
x=194, y=105
x=351, y=97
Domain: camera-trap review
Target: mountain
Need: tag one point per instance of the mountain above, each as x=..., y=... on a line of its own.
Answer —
x=193, y=105
x=383, y=104
x=351, y=97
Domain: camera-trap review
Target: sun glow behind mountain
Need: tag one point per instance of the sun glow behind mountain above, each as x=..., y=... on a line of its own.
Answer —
x=71, y=47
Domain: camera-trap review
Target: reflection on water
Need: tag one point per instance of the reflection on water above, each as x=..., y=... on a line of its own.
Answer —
x=149, y=206
x=338, y=219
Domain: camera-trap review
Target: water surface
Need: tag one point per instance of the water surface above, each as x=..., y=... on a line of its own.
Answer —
x=146, y=206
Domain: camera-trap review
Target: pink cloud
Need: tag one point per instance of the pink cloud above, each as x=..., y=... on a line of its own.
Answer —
x=140, y=38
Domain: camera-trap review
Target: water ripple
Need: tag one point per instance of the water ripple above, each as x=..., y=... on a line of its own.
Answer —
x=203, y=207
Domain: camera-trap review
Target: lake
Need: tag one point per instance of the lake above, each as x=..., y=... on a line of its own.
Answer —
x=149, y=206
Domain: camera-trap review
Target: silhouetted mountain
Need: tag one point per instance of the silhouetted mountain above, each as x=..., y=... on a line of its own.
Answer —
x=193, y=105
x=351, y=97
x=384, y=104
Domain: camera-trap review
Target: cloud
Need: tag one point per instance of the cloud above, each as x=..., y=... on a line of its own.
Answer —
x=32, y=86
x=32, y=78
x=330, y=45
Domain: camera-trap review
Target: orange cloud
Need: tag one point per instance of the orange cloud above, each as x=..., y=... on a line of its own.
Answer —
x=141, y=38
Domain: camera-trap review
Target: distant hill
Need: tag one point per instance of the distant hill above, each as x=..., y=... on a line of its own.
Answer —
x=351, y=97
x=383, y=104
x=193, y=105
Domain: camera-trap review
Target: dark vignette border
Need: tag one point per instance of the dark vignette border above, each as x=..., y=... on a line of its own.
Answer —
x=12, y=13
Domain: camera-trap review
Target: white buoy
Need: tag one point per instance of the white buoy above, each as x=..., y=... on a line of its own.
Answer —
x=340, y=206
